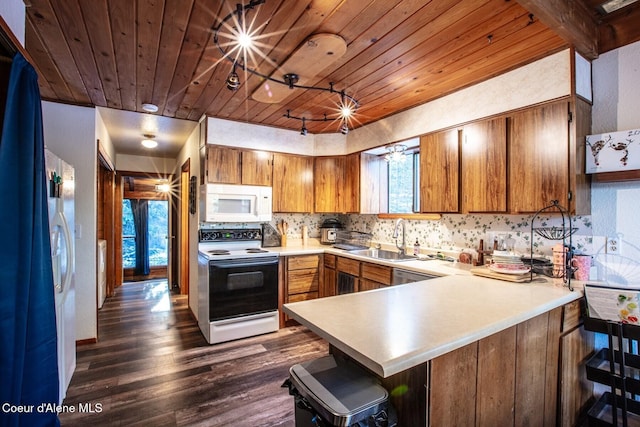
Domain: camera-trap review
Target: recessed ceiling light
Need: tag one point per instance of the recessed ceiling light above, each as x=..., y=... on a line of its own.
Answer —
x=151, y=108
x=149, y=143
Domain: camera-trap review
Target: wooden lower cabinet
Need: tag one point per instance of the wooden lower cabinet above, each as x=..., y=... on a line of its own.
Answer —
x=527, y=375
x=368, y=285
x=328, y=278
x=301, y=279
x=365, y=275
x=576, y=347
x=347, y=275
x=374, y=276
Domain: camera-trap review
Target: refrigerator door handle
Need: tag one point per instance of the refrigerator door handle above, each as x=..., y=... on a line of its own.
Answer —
x=60, y=221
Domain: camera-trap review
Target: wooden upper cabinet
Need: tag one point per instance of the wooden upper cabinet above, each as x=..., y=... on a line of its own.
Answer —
x=257, y=168
x=352, y=183
x=226, y=165
x=439, y=172
x=579, y=181
x=292, y=183
x=374, y=181
x=223, y=165
x=337, y=183
x=328, y=177
x=483, y=163
x=539, y=157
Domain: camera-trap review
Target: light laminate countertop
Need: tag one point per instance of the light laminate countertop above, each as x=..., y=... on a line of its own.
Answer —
x=396, y=328
x=433, y=267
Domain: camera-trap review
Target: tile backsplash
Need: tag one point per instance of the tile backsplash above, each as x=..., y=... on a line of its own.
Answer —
x=454, y=232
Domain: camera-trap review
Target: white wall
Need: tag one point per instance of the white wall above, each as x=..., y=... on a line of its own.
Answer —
x=616, y=93
x=244, y=135
x=191, y=151
x=102, y=134
x=13, y=13
x=130, y=163
x=70, y=132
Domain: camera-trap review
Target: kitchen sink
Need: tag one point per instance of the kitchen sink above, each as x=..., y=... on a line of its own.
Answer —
x=383, y=254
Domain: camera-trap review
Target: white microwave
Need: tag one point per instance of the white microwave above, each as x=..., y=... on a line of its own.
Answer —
x=235, y=203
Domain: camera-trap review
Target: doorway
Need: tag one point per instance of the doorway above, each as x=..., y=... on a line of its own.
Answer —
x=145, y=238
x=146, y=205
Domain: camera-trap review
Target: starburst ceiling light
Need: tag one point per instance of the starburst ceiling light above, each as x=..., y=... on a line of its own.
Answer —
x=236, y=38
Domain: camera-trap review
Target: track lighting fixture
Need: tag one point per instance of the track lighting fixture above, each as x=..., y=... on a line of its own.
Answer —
x=290, y=79
x=233, y=36
x=233, y=80
x=303, y=131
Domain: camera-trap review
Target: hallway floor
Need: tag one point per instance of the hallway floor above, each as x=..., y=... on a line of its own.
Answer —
x=153, y=367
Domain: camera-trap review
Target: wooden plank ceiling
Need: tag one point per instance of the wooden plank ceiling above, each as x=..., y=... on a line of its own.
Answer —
x=400, y=54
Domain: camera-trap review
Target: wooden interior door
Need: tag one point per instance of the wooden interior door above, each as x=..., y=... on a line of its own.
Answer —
x=106, y=213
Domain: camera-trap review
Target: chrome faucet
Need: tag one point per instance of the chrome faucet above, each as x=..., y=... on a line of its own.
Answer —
x=399, y=222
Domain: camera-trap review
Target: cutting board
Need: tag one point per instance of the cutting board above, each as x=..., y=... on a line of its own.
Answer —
x=485, y=272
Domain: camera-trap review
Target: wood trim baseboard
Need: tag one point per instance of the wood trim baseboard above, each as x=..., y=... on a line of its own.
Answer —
x=86, y=341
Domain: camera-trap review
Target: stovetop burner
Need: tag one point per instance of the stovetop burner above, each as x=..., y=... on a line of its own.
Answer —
x=218, y=252
x=256, y=251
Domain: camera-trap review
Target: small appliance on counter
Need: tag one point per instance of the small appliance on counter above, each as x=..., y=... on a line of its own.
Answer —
x=328, y=231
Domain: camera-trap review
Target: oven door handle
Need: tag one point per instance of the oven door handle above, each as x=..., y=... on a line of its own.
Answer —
x=253, y=262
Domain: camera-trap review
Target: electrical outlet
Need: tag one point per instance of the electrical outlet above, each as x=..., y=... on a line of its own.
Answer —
x=613, y=246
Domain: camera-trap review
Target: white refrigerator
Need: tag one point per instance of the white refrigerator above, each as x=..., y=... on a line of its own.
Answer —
x=61, y=189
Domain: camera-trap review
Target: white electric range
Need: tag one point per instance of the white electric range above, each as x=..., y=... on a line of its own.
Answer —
x=237, y=285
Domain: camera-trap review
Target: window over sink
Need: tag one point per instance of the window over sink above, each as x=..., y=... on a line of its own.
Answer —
x=404, y=178
x=393, y=174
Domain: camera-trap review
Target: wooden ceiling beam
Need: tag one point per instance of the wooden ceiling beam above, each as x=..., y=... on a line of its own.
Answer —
x=570, y=20
x=620, y=28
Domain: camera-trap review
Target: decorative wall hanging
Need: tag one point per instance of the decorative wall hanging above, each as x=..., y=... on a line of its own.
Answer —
x=613, y=151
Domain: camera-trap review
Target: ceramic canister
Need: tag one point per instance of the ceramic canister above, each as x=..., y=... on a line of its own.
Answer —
x=582, y=264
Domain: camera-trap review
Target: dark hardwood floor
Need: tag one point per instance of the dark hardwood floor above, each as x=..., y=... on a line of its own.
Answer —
x=153, y=367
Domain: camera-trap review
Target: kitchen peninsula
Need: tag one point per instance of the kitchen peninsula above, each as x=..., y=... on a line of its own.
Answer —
x=457, y=350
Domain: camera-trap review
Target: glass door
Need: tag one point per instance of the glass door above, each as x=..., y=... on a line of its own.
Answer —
x=145, y=246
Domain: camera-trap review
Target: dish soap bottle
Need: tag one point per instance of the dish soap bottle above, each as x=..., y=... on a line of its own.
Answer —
x=416, y=248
